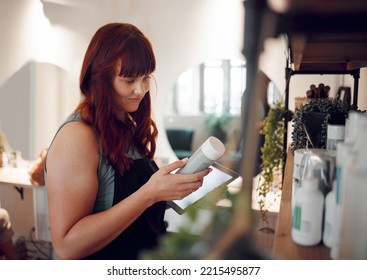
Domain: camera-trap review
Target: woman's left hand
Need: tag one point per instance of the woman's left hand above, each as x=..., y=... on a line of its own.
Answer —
x=165, y=185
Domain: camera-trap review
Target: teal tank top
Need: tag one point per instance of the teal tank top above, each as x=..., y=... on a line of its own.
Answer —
x=106, y=173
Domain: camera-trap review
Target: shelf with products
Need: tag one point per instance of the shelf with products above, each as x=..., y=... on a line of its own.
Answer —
x=283, y=245
x=323, y=38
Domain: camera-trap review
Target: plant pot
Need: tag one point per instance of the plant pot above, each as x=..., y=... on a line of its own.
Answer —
x=337, y=118
x=315, y=126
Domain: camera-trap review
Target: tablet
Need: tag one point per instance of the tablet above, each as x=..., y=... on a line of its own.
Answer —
x=219, y=177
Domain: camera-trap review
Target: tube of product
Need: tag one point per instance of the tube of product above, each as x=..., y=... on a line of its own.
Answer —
x=206, y=155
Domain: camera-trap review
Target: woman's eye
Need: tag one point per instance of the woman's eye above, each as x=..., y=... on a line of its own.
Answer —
x=130, y=81
x=146, y=78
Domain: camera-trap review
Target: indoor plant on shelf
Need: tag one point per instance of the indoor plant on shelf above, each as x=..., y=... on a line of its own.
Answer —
x=272, y=156
x=311, y=119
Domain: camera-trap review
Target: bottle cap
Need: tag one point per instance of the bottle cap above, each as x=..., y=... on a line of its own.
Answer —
x=213, y=148
x=335, y=131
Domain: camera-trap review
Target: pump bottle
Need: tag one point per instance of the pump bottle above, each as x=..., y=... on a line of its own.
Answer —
x=308, y=213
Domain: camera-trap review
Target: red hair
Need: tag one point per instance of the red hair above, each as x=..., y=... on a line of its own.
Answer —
x=111, y=43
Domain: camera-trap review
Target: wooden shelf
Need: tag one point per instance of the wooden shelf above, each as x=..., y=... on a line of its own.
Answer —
x=324, y=35
x=284, y=247
x=329, y=52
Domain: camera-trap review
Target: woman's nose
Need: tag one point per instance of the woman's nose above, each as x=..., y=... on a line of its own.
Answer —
x=139, y=88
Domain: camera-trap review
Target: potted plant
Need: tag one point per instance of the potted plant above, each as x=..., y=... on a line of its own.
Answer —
x=272, y=156
x=311, y=119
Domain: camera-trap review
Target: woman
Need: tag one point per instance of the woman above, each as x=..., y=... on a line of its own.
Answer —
x=106, y=195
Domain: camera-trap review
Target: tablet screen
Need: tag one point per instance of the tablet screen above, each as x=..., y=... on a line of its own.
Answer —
x=219, y=177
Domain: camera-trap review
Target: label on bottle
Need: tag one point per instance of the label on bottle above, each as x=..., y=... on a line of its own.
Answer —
x=297, y=214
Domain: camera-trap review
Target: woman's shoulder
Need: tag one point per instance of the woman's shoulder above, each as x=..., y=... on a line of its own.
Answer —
x=75, y=124
x=75, y=142
x=76, y=132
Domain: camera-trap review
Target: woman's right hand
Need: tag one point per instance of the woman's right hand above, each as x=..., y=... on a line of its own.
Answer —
x=165, y=185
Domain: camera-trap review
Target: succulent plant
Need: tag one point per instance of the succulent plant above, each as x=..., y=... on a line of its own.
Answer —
x=330, y=108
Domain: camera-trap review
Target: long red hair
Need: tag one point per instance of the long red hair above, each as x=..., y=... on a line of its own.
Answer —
x=111, y=43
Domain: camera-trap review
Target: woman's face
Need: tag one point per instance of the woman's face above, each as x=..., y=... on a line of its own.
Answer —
x=129, y=91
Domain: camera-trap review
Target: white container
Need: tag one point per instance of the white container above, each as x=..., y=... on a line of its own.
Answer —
x=297, y=172
x=351, y=126
x=344, y=156
x=204, y=156
x=308, y=213
x=335, y=134
x=347, y=152
x=329, y=217
x=353, y=239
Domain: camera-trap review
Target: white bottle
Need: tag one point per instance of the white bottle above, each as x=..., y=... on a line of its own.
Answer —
x=329, y=216
x=297, y=171
x=353, y=239
x=308, y=213
x=346, y=153
x=206, y=155
x=335, y=134
x=353, y=236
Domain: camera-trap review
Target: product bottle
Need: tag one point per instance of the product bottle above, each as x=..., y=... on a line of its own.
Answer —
x=353, y=239
x=329, y=217
x=205, y=156
x=308, y=213
x=345, y=156
x=335, y=134
x=353, y=234
x=297, y=171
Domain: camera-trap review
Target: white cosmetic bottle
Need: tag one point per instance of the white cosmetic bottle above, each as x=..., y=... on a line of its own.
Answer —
x=308, y=213
x=335, y=134
x=353, y=237
x=329, y=217
x=204, y=156
x=345, y=157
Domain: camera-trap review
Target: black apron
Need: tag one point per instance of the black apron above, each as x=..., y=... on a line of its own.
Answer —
x=144, y=232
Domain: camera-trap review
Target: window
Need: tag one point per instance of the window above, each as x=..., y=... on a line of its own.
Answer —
x=214, y=87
